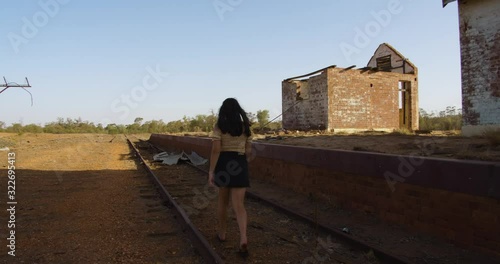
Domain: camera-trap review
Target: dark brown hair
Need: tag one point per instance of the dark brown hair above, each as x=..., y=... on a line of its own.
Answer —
x=233, y=119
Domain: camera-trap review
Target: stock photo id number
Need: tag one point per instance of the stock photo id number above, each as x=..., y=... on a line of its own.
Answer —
x=11, y=203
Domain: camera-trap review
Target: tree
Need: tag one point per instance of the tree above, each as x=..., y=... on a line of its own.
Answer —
x=136, y=126
x=99, y=128
x=449, y=119
x=196, y=124
x=155, y=126
x=16, y=128
x=32, y=128
x=210, y=121
x=174, y=126
x=262, y=117
x=138, y=120
x=251, y=117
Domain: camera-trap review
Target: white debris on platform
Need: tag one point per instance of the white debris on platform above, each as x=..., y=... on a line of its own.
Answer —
x=196, y=159
x=4, y=149
x=159, y=156
x=173, y=158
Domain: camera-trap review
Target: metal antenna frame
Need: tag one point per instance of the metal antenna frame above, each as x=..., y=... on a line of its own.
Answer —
x=9, y=85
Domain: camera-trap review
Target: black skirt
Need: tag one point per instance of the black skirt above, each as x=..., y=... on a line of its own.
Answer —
x=231, y=170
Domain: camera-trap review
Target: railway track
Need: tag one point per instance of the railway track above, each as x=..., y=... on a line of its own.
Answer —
x=276, y=233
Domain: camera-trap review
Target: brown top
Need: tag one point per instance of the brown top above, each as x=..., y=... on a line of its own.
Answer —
x=230, y=143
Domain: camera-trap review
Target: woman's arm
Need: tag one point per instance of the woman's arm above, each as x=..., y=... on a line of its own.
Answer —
x=248, y=150
x=214, y=156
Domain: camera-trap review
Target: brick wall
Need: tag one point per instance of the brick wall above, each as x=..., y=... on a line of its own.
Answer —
x=480, y=54
x=453, y=199
x=457, y=201
x=312, y=111
x=340, y=99
x=464, y=219
x=368, y=100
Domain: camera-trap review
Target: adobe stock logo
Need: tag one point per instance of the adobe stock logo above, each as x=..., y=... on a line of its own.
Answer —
x=128, y=101
x=364, y=35
x=31, y=27
x=224, y=6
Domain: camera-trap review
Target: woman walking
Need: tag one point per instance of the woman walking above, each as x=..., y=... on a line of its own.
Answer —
x=229, y=167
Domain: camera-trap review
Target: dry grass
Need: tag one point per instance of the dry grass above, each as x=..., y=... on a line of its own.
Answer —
x=370, y=257
x=402, y=131
x=6, y=143
x=190, y=134
x=492, y=136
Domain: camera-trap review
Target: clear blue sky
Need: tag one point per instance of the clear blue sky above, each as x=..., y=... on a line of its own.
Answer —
x=85, y=58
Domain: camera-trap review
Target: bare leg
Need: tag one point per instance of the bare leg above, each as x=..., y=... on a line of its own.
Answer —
x=237, y=199
x=222, y=204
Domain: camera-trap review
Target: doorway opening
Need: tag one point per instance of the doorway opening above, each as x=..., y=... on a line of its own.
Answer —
x=404, y=104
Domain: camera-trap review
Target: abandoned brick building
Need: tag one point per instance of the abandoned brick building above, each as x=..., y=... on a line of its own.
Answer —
x=381, y=96
x=480, y=54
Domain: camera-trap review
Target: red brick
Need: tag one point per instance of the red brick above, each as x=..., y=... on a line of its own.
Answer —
x=393, y=217
x=444, y=232
x=484, y=234
x=411, y=216
x=422, y=226
x=457, y=221
x=486, y=244
x=464, y=237
x=484, y=217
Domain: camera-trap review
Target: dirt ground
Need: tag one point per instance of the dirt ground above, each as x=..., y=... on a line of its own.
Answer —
x=83, y=199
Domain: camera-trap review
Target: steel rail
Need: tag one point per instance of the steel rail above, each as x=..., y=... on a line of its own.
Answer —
x=382, y=255
x=198, y=240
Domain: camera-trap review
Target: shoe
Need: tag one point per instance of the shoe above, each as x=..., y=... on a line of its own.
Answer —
x=220, y=239
x=243, y=251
